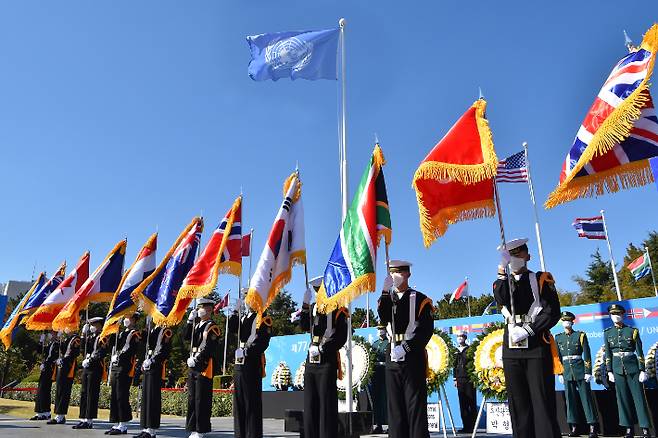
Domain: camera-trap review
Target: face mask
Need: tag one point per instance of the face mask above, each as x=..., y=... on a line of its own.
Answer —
x=50, y=336
x=382, y=334
x=616, y=318
x=127, y=322
x=516, y=264
x=398, y=279
x=567, y=324
x=461, y=340
x=60, y=334
x=92, y=329
x=202, y=313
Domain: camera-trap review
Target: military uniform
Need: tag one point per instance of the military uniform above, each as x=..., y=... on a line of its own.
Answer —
x=576, y=358
x=410, y=325
x=378, y=383
x=66, y=365
x=529, y=371
x=155, y=369
x=465, y=389
x=93, y=372
x=46, y=377
x=328, y=335
x=254, y=337
x=625, y=359
x=122, y=372
x=205, y=345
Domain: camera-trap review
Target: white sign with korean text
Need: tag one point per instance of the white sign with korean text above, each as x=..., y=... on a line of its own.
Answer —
x=433, y=417
x=498, y=418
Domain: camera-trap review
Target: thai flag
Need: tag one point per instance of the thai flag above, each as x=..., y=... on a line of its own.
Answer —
x=590, y=227
x=461, y=291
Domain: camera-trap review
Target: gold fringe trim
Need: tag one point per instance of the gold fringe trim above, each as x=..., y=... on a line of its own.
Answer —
x=465, y=173
x=5, y=333
x=286, y=186
x=48, y=313
x=378, y=157
x=173, y=318
x=111, y=325
x=253, y=298
x=616, y=128
x=228, y=267
x=626, y=176
x=357, y=287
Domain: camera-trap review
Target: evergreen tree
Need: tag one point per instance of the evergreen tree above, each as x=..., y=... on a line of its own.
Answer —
x=644, y=286
x=443, y=309
x=359, y=316
x=598, y=285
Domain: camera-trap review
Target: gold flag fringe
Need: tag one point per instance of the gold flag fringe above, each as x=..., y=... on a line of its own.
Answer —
x=357, y=287
x=253, y=298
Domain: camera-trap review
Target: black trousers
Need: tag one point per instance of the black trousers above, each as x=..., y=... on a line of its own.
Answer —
x=43, y=398
x=407, y=399
x=199, y=402
x=89, y=393
x=63, y=392
x=248, y=400
x=151, y=408
x=531, y=397
x=379, y=396
x=467, y=404
x=320, y=400
x=120, y=410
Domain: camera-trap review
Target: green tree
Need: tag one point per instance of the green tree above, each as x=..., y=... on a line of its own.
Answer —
x=359, y=317
x=644, y=286
x=443, y=309
x=598, y=284
x=282, y=307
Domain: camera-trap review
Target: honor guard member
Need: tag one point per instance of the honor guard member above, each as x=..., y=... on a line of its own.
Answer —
x=377, y=384
x=155, y=369
x=408, y=316
x=465, y=388
x=576, y=358
x=69, y=348
x=93, y=372
x=47, y=374
x=328, y=335
x=624, y=361
x=122, y=371
x=528, y=355
x=201, y=363
x=253, y=332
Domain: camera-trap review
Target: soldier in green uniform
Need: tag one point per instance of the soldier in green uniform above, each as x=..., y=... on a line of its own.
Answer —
x=576, y=357
x=378, y=381
x=624, y=361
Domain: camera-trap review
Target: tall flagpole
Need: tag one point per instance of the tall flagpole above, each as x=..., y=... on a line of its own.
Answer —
x=226, y=315
x=612, y=259
x=468, y=296
x=653, y=276
x=503, y=243
x=534, y=206
x=343, y=144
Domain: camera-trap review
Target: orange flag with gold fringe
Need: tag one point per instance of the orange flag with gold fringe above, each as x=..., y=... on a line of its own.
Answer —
x=455, y=180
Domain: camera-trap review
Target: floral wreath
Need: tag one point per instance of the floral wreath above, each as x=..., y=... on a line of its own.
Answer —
x=599, y=368
x=440, y=360
x=485, y=368
x=651, y=361
x=358, y=382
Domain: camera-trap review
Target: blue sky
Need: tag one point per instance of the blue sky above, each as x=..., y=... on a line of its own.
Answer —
x=118, y=118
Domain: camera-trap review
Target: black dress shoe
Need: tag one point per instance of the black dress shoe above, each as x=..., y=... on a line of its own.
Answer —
x=55, y=421
x=107, y=432
x=36, y=417
x=117, y=432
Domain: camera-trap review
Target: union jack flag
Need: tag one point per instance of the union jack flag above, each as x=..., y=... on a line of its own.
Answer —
x=513, y=169
x=590, y=227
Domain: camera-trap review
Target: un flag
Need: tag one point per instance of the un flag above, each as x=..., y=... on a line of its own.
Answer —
x=306, y=55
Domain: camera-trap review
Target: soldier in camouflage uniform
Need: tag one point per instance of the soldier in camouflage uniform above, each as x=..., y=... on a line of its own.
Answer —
x=576, y=357
x=624, y=361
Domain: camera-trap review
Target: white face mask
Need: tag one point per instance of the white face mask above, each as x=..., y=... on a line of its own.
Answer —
x=92, y=329
x=461, y=340
x=398, y=279
x=567, y=324
x=516, y=264
x=202, y=313
x=127, y=322
x=617, y=318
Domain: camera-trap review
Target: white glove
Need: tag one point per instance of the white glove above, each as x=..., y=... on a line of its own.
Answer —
x=42, y=338
x=115, y=358
x=238, y=304
x=560, y=378
x=314, y=351
x=588, y=377
x=518, y=334
x=505, y=258
x=388, y=283
x=147, y=364
x=191, y=362
x=643, y=377
x=42, y=367
x=611, y=377
x=85, y=329
x=307, y=296
x=192, y=316
x=398, y=352
x=239, y=353
x=58, y=362
x=85, y=363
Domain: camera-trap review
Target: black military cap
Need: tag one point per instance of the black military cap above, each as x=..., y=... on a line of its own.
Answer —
x=567, y=316
x=616, y=309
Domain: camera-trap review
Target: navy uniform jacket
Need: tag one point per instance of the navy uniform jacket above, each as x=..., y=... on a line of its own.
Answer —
x=329, y=341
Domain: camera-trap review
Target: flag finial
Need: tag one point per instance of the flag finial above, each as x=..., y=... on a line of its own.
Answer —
x=525, y=145
x=628, y=42
x=480, y=95
x=342, y=23
x=376, y=138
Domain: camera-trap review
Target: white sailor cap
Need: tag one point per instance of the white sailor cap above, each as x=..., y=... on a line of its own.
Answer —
x=96, y=320
x=205, y=302
x=513, y=244
x=461, y=333
x=399, y=265
x=317, y=281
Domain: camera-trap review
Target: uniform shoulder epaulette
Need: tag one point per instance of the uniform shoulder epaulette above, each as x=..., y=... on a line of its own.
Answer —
x=424, y=303
x=167, y=333
x=138, y=334
x=214, y=329
x=636, y=333
x=267, y=321
x=609, y=328
x=76, y=341
x=546, y=276
x=342, y=310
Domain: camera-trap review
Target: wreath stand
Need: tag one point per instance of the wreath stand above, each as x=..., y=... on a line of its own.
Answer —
x=477, y=420
x=442, y=423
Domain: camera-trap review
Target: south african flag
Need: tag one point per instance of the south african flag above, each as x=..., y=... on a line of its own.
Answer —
x=351, y=268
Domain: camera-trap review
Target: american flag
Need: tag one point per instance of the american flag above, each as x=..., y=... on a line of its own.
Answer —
x=590, y=227
x=513, y=169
